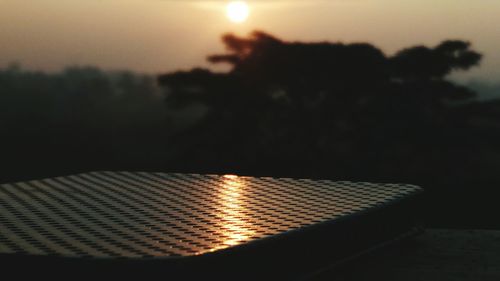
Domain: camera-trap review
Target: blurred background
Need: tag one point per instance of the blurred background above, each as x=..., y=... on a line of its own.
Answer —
x=360, y=90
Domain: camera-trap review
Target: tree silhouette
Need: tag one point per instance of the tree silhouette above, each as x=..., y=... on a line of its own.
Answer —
x=422, y=63
x=316, y=109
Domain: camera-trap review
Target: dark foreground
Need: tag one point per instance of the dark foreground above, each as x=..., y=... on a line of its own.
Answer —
x=438, y=254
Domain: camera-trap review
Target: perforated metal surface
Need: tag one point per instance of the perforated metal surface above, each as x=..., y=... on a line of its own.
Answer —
x=137, y=215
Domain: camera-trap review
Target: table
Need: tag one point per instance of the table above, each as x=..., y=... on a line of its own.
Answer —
x=189, y=225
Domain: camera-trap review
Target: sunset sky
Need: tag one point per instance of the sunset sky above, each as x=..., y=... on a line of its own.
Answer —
x=162, y=35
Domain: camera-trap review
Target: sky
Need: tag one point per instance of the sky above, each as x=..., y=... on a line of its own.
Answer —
x=156, y=36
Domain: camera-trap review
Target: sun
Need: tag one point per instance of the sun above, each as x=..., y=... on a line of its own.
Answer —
x=237, y=11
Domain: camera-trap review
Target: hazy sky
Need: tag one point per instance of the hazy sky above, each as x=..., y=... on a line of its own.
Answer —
x=163, y=35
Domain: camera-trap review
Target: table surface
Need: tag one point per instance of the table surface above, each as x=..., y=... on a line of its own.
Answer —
x=150, y=215
x=438, y=254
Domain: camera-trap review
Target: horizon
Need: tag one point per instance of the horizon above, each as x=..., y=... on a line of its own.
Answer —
x=158, y=36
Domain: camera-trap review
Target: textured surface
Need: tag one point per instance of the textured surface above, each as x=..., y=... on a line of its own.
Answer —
x=127, y=215
x=437, y=255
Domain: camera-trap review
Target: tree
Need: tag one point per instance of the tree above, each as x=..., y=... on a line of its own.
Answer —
x=291, y=107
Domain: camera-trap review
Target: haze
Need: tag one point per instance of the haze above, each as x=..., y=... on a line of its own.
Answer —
x=155, y=36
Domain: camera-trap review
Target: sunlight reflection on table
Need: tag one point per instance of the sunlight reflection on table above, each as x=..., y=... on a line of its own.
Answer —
x=234, y=225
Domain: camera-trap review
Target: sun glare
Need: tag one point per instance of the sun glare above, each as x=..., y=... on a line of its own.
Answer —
x=237, y=11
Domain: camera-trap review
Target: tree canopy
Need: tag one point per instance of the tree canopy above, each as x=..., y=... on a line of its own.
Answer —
x=318, y=108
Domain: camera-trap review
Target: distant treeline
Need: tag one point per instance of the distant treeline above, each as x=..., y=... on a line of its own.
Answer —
x=485, y=90
x=79, y=119
x=294, y=109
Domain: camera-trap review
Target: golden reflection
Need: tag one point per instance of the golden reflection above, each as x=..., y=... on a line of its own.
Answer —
x=234, y=221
